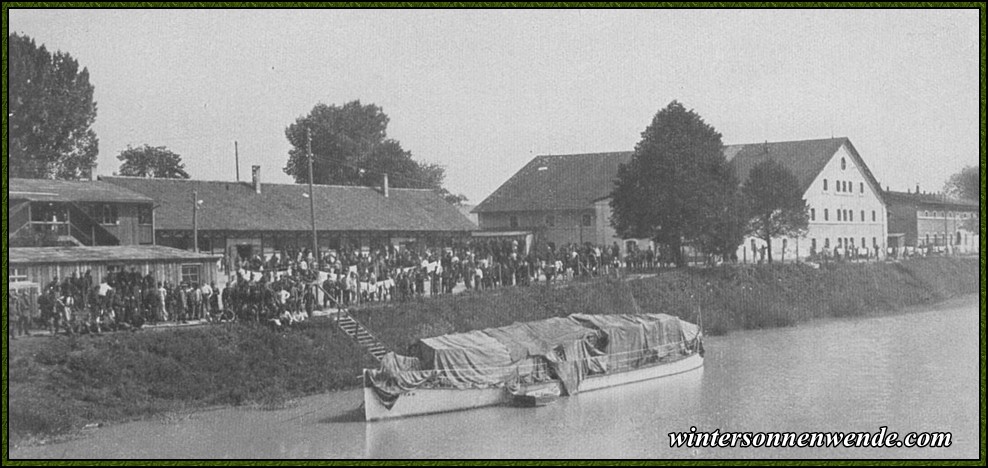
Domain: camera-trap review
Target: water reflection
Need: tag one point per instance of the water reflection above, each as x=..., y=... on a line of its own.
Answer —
x=913, y=372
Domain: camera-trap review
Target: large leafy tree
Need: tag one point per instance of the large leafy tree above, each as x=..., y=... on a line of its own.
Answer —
x=966, y=185
x=677, y=188
x=350, y=147
x=51, y=111
x=774, y=203
x=155, y=162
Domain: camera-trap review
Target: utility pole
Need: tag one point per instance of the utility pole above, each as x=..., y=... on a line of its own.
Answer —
x=312, y=201
x=195, y=221
x=236, y=155
x=946, y=228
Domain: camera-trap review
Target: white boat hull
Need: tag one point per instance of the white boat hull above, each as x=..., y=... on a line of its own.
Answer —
x=433, y=400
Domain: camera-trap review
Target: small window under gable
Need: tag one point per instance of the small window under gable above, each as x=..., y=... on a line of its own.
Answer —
x=843, y=164
x=862, y=187
x=825, y=184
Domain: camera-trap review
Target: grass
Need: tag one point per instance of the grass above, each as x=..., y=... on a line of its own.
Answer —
x=60, y=384
x=730, y=298
x=66, y=382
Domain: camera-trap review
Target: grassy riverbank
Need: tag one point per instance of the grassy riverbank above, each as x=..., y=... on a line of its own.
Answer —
x=59, y=384
x=730, y=298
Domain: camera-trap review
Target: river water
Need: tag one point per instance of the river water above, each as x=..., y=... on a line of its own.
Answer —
x=912, y=372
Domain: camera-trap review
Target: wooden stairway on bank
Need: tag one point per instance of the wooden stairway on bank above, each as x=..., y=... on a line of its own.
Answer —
x=361, y=335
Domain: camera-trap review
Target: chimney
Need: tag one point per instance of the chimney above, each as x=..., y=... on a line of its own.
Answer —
x=385, y=186
x=255, y=173
x=917, y=188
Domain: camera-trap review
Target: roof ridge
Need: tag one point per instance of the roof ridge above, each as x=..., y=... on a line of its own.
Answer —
x=842, y=138
x=263, y=184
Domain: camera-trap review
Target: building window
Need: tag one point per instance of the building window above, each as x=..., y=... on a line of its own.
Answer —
x=826, y=214
x=843, y=164
x=838, y=186
x=826, y=243
x=862, y=187
x=824, y=184
x=16, y=274
x=813, y=244
x=108, y=214
x=874, y=242
x=926, y=214
x=513, y=221
x=850, y=215
x=550, y=220
x=874, y=216
x=587, y=220
x=863, y=242
x=862, y=216
x=190, y=274
x=144, y=215
x=958, y=241
x=812, y=214
x=839, y=214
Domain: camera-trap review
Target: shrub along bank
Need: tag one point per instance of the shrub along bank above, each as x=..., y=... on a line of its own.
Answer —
x=62, y=383
x=730, y=298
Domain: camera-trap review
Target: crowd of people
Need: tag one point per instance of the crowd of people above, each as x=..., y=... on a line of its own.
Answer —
x=287, y=287
x=122, y=300
x=349, y=276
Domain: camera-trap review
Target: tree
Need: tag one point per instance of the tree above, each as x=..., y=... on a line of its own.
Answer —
x=156, y=162
x=678, y=187
x=966, y=185
x=350, y=147
x=774, y=203
x=51, y=110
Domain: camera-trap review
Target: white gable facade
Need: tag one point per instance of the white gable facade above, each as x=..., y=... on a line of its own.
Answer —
x=846, y=213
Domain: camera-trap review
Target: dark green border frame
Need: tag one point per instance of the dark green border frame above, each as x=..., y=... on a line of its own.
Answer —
x=981, y=6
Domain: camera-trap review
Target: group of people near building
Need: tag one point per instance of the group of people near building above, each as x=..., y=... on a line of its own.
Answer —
x=288, y=286
x=349, y=276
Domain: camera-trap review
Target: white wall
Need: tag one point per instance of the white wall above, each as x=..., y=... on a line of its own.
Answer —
x=824, y=224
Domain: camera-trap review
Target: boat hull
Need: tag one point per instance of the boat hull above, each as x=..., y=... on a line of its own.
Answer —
x=441, y=400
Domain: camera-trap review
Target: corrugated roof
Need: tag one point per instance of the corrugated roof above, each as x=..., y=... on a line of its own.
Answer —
x=575, y=181
x=929, y=199
x=71, y=190
x=234, y=206
x=105, y=254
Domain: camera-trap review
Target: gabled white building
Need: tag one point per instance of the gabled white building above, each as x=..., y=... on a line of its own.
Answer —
x=565, y=198
x=845, y=200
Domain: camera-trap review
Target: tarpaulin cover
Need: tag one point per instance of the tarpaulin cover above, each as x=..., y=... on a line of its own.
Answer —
x=570, y=347
x=466, y=360
x=634, y=341
x=398, y=374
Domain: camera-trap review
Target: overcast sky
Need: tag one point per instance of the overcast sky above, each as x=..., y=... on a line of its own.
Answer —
x=483, y=91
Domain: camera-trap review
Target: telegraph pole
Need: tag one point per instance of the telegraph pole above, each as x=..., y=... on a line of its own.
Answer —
x=312, y=201
x=195, y=221
x=236, y=155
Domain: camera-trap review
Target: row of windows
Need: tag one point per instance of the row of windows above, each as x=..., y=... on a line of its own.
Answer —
x=550, y=220
x=191, y=273
x=844, y=186
x=950, y=214
x=843, y=215
x=843, y=242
